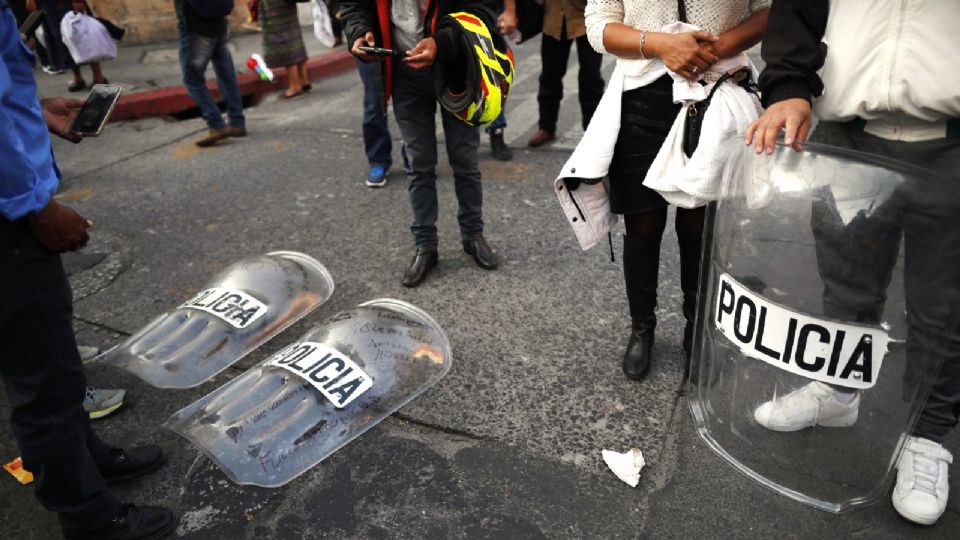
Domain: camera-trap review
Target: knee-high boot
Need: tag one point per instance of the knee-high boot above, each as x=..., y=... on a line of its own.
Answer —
x=641, y=266
x=691, y=245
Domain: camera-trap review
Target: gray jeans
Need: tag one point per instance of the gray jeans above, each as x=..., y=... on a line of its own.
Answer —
x=415, y=106
x=923, y=214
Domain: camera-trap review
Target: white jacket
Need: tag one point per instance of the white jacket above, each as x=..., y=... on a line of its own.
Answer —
x=685, y=182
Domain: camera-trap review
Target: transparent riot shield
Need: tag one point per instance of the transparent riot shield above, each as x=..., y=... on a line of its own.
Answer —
x=828, y=305
x=282, y=417
x=240, y=309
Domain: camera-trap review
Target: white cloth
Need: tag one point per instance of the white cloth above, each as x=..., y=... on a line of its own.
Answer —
x=715, y=16
x=891, y=62
x=87, y=40
x=588, y=208
x=693, y=182
x=322, y=25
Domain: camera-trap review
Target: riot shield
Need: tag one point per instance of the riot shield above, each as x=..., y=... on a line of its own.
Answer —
x=824, y=317
x=240, y=309
x=282, y=417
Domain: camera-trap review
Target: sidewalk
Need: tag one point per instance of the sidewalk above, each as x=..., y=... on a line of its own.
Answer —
x=151, y=79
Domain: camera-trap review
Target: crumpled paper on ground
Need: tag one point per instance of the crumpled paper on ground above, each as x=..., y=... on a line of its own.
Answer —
x=626, y=466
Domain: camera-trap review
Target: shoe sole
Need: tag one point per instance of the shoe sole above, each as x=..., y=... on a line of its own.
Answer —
x=105, y=412
x=911, y=517
x=376, y=184
x=841, y=422
x=160, y=462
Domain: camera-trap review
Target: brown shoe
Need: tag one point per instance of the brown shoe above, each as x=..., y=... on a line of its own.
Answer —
x=540, y=138
x=236, y=131
x=213, y=137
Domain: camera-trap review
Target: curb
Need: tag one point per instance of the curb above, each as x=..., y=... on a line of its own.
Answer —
x=175, y=99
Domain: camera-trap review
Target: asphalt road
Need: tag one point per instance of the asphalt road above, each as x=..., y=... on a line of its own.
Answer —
x=508, y=444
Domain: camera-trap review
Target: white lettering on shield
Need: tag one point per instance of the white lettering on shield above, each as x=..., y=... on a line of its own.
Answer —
x=827, y=351
x=337, y=377
x=236, y=308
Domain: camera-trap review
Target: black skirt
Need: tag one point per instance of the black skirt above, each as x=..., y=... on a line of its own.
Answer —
x=647, y=114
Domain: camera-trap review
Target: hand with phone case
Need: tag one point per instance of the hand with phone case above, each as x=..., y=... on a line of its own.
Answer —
x=60, y=113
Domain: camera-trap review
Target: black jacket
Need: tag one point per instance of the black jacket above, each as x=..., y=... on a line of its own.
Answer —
x=793, y=51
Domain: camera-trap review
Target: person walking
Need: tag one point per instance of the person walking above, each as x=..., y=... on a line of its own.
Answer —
x=893, y=95
x=283, y=44
x=409, y=25
x=40, y=364
x=203, y=39
x=563, y=24
x=56, y=50
x=630, y=29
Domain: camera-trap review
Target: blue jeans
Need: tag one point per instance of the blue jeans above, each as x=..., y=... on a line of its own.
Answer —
x=196, y=52
x=376, y=134
x=499, y=123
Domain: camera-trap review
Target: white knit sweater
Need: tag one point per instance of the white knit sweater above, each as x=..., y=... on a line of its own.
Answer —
x=716, y=16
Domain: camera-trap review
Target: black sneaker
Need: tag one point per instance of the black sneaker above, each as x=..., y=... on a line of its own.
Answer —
x=133, y=463
x=498, y=147
x=133, y=523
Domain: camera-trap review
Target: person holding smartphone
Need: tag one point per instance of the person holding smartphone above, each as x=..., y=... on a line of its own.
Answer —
x=40, y=365
x=410, y=25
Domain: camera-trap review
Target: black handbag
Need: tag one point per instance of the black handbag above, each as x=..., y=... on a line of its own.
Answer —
x=529, y=19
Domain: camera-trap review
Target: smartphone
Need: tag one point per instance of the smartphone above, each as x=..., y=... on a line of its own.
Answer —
x=378, y=51
x=29, y=26
x=96, y=110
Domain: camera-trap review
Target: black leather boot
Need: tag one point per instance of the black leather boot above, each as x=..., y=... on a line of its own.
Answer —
x=691, y=245
x=641, y=266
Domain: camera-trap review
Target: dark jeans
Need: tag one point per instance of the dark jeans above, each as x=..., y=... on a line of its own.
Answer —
x=196, y=52
x=376, y=133
x=856, y=260
x=45, y=383
x=554, y=55
x=415, y=106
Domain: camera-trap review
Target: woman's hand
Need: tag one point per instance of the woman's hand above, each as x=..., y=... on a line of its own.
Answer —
x=683, y=54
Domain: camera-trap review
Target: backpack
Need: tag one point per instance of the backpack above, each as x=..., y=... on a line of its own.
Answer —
x=212, y=9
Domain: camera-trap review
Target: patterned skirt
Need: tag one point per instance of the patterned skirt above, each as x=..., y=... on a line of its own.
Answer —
x=282, y=40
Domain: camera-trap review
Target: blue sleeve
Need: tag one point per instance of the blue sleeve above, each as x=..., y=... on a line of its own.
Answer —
x=28, y=176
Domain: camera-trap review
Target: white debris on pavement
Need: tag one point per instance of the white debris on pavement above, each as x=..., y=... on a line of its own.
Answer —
x=626, y=466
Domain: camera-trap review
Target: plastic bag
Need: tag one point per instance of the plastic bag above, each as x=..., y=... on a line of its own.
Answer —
x=87, y=40
x=322, y=25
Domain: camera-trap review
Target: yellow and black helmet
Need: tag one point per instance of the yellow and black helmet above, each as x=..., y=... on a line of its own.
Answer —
x=476, y=89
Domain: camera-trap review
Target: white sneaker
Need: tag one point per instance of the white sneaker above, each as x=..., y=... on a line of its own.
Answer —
x=921, y=491
x=100, y=402
x=815, y=404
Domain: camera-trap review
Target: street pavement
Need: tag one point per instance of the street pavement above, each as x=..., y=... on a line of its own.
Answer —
x=508, y=444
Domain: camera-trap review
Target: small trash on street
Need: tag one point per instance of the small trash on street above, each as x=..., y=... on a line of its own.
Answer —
x=626, y=466
x=15, y=468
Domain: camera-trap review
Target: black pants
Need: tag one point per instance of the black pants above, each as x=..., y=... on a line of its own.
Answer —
x=45, y=383
x=554, y=55
x=856, y=260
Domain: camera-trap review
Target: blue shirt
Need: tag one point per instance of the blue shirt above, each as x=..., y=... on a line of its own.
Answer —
x=28, y=175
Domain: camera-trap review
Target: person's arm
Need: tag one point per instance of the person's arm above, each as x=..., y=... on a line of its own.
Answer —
x=426, y=52
x=741, y=37
x=360, y=26
x=507, y=21
x=681, y=53
x=793, y=53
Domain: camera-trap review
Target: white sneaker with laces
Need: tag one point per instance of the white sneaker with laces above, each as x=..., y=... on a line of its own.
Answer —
x=815, y=404
x=922, y=488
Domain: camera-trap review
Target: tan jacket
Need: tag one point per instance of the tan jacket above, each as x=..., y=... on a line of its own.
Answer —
x=554, y=13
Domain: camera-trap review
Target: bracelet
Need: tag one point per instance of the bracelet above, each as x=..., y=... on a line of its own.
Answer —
x=643, y=37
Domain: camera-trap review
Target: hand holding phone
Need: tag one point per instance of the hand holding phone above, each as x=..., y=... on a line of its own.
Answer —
x=96, y=110
x=60, y=113
x=379, y=51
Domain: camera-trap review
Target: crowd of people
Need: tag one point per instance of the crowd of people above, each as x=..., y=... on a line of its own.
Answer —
x=908, y=109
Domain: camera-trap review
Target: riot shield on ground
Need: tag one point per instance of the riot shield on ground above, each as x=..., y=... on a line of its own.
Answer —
x=240, y=309
x=826, y=311
x=282, y=417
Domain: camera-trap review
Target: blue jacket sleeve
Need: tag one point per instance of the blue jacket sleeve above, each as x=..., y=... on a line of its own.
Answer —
x=28, y=177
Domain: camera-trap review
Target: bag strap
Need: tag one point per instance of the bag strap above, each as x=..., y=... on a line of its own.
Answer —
x=681, y=11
